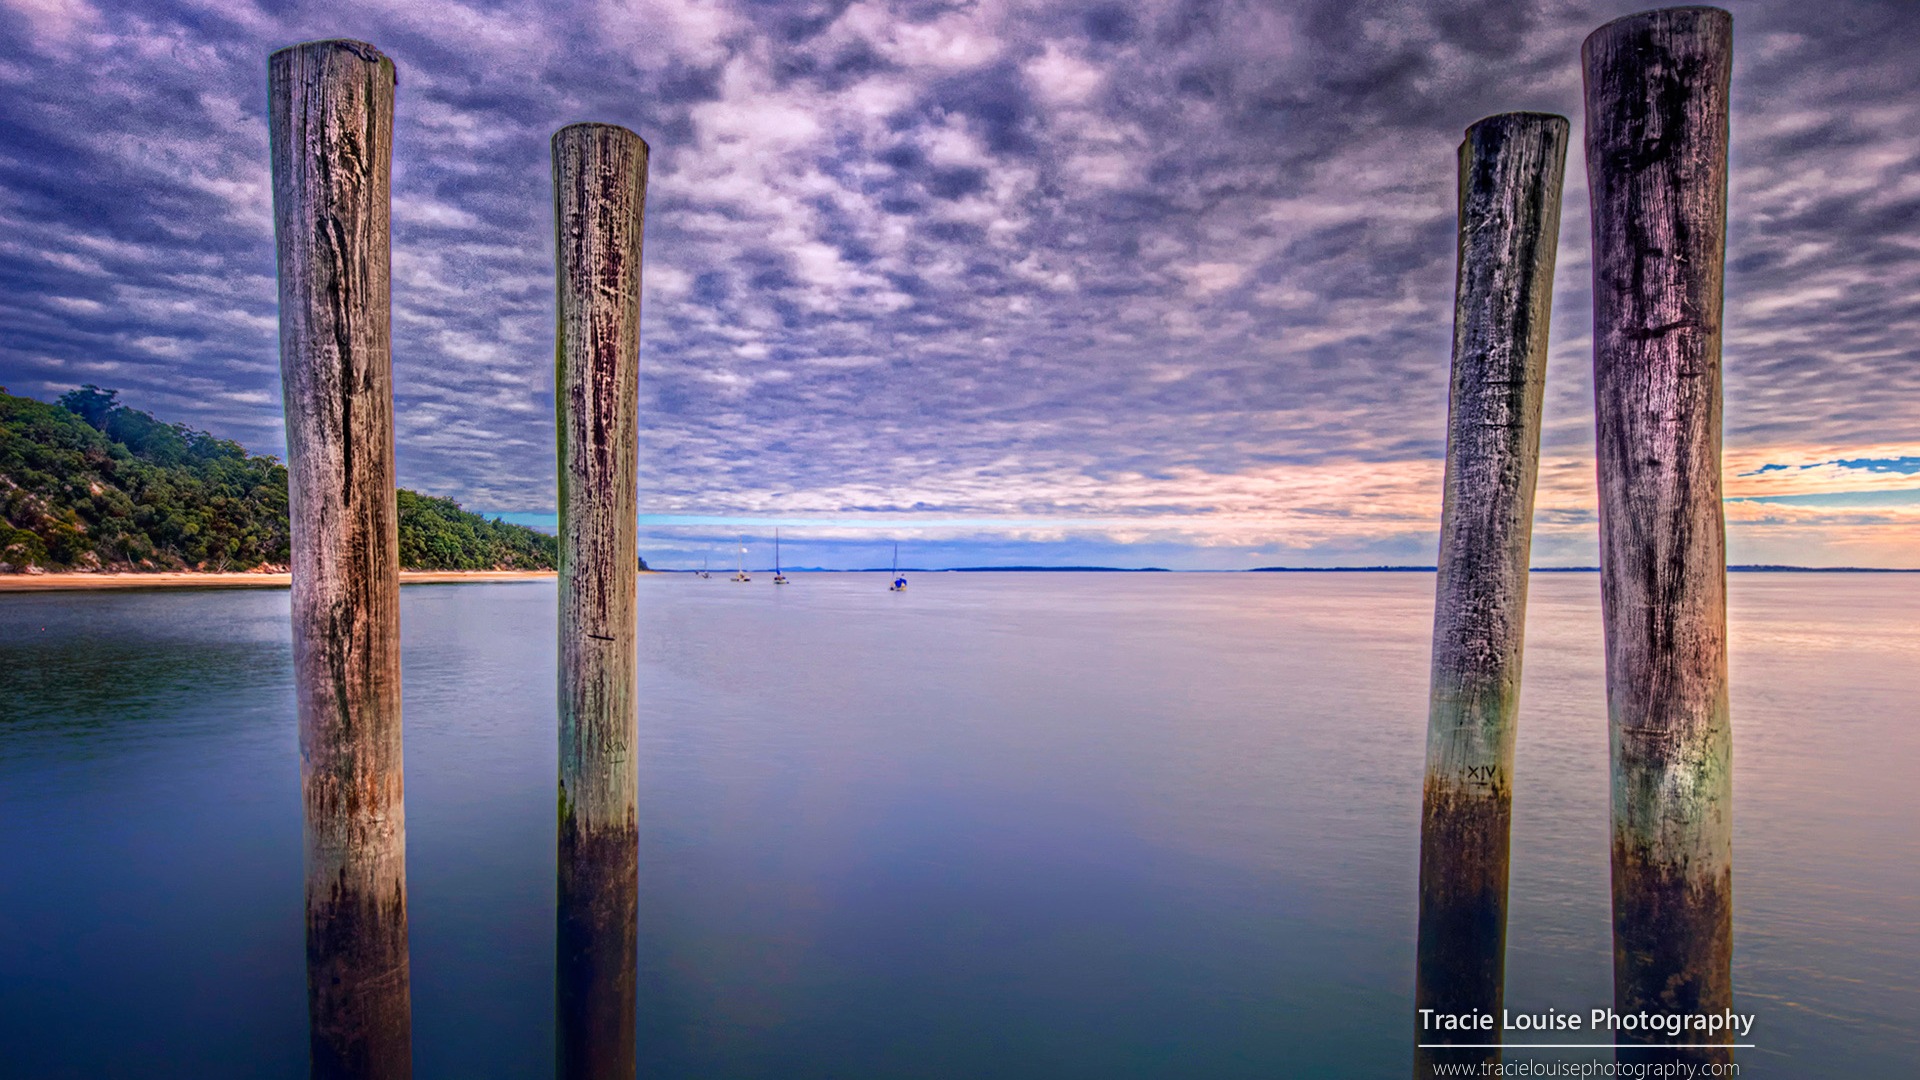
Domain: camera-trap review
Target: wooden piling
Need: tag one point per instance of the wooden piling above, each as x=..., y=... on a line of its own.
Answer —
x=1511, y=168
x=599, y=199
x=331, y=129
x=1656, y=106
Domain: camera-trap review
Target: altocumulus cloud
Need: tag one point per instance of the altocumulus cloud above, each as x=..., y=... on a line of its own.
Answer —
x=1181, y=271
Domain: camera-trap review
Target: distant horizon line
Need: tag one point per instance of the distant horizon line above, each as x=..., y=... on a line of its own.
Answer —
x=1742, y=568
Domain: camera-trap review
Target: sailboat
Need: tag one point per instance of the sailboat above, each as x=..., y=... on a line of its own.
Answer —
x=703, y=568
x=778, y=577
x=741, y=574
x=899, y=583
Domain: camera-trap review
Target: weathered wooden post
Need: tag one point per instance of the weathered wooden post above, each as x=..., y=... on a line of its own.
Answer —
x=332, y=146
x=1656, y=90
x=1511, y=167
x=599, y=200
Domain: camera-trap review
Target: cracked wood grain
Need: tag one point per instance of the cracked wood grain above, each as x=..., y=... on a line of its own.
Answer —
x=599, y=193
x=1656, y=139
x=331, y=135
x=1511, y=168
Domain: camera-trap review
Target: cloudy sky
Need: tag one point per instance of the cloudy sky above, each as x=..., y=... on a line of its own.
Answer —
x=1159, y=283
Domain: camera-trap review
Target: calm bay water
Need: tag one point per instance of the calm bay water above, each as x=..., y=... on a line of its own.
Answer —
x=1008, y=825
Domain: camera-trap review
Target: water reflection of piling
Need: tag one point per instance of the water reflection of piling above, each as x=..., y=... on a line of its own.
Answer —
x=332, y=140
x=1510, y=174
x=599, y=196
x=1656, y=103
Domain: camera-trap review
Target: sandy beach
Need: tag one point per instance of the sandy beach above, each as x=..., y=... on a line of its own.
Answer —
x=57, y=582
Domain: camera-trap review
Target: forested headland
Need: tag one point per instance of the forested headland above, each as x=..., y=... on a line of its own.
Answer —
x=90, y=484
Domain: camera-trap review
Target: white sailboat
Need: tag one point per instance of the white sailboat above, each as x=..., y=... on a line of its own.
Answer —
x=899, y=583
x=741, y=574
x=778, y=577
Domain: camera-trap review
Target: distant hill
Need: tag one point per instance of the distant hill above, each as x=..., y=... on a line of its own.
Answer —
x=1057, y=570
x=1770, y=568
x=90, y=484
x=1337, y=569
x=1736, y=569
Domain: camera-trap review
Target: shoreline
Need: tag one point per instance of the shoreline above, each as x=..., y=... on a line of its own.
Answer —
x=188, y=579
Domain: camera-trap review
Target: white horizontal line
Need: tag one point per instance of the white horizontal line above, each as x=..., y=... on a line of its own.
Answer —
x=1583, y=1046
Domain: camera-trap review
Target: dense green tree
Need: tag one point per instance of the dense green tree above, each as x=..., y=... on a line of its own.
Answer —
x=92, y=484
x=437, y=534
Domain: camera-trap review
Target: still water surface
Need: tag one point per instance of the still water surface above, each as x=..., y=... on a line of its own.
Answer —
x=1007, y=825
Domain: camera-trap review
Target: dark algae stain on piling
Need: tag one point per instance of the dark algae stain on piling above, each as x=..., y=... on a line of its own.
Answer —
x=597, y=938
